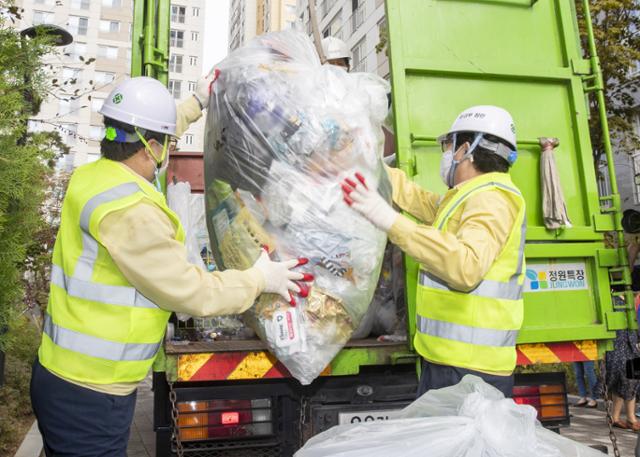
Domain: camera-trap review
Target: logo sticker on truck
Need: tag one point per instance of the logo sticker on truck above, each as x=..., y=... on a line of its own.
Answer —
x=557, y=276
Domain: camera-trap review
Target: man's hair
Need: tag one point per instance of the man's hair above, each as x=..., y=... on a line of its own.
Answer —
x=122, y=151
x=484, y=161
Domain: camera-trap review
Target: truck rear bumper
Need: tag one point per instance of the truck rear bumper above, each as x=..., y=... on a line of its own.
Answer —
x=297, y=412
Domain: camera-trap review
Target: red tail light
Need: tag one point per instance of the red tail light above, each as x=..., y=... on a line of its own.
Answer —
x=549, y=400
x=230, y=418
x=211, y=419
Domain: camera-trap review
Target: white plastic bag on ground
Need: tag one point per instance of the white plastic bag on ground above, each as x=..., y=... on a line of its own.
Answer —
x=282, y=132
x=471, y=419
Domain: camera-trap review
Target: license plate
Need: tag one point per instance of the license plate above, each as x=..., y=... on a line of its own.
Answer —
x=367, y=416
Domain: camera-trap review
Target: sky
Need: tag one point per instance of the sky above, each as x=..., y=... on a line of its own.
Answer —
x=216, y=32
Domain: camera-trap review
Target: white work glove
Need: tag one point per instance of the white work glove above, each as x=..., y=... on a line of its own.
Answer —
x=278, y=277
x=203, y=87
x=368, y=202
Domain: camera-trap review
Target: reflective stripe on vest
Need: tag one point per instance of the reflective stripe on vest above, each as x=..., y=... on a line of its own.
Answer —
x=467, y=334
x=491, y=289
x=84, y=266
x=97, y=347
x=459, y=201
x=102, y=293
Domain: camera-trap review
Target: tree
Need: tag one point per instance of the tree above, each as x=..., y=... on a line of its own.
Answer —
x=616, y=27
x=26, y=159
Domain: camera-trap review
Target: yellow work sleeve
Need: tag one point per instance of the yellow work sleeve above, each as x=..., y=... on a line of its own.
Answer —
x=188, y=112
x=412, y=198
x=140, y=239
x=463, y=255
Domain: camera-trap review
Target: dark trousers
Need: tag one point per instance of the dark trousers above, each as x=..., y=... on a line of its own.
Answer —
x=79, y=422
x=435, y=376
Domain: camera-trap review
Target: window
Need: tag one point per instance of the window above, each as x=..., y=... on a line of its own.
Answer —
x=192, y=86
x=333, y=29
x=358, y=14
x=80, y=4
x=71, y=75
x=196, y=11
x=109, y=26
x=176, y=38
x=78, y=25
x=188, y=139
x=175, y=87
x=96, y=104
x=175, y=63
x=178, y=13
x=112, y=3
x=108, y=52
x=105, y=77
x=96, y=132
x=193, y=61
x=68, y=106
x=79, y=50
x=42, y=17
x=68, y=133
x=195, y=36
x=358, y=52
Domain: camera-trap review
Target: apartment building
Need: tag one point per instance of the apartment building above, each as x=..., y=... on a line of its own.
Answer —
x=186, y=51
x=275, y=15
x=248, y=18
x=358, y=23
x=100, y=57
x=242, y=22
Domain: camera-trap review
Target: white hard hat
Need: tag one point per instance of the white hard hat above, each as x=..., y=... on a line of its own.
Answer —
x=142, y=102
x=335, y=48
x=487, y=119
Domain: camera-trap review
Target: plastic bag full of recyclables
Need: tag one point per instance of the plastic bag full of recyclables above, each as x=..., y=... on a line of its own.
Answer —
x=282, y=132
x=470, y=419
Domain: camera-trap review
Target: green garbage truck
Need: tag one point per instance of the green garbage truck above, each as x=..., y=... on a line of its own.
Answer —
x=233, y=398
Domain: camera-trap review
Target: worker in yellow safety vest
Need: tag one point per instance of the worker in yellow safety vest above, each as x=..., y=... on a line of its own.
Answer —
x=470, y=246
x=119, y=269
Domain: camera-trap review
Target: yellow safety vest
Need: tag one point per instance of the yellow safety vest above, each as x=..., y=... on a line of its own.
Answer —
x=476, y=330
x=98, y=328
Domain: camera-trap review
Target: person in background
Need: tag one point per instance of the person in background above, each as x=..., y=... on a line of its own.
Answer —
x=587, y=392
x=624, y=391
x=336, y=52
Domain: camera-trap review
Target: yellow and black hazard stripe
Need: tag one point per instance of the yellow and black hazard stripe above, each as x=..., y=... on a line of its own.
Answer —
x=569, y=351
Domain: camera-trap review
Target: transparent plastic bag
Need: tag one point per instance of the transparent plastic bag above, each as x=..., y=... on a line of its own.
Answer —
x=470, y=419
x=282, y=132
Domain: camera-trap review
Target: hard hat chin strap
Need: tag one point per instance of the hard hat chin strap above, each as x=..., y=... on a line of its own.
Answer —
x=159, y=162
x=467, y=155
x=148, y=147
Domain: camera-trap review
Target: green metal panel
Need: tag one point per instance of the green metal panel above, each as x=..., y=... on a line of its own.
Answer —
x=137, y=38
x=523, y=55
x=150, y=39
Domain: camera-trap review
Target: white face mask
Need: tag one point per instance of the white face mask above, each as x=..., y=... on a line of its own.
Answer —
x=445, y=166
